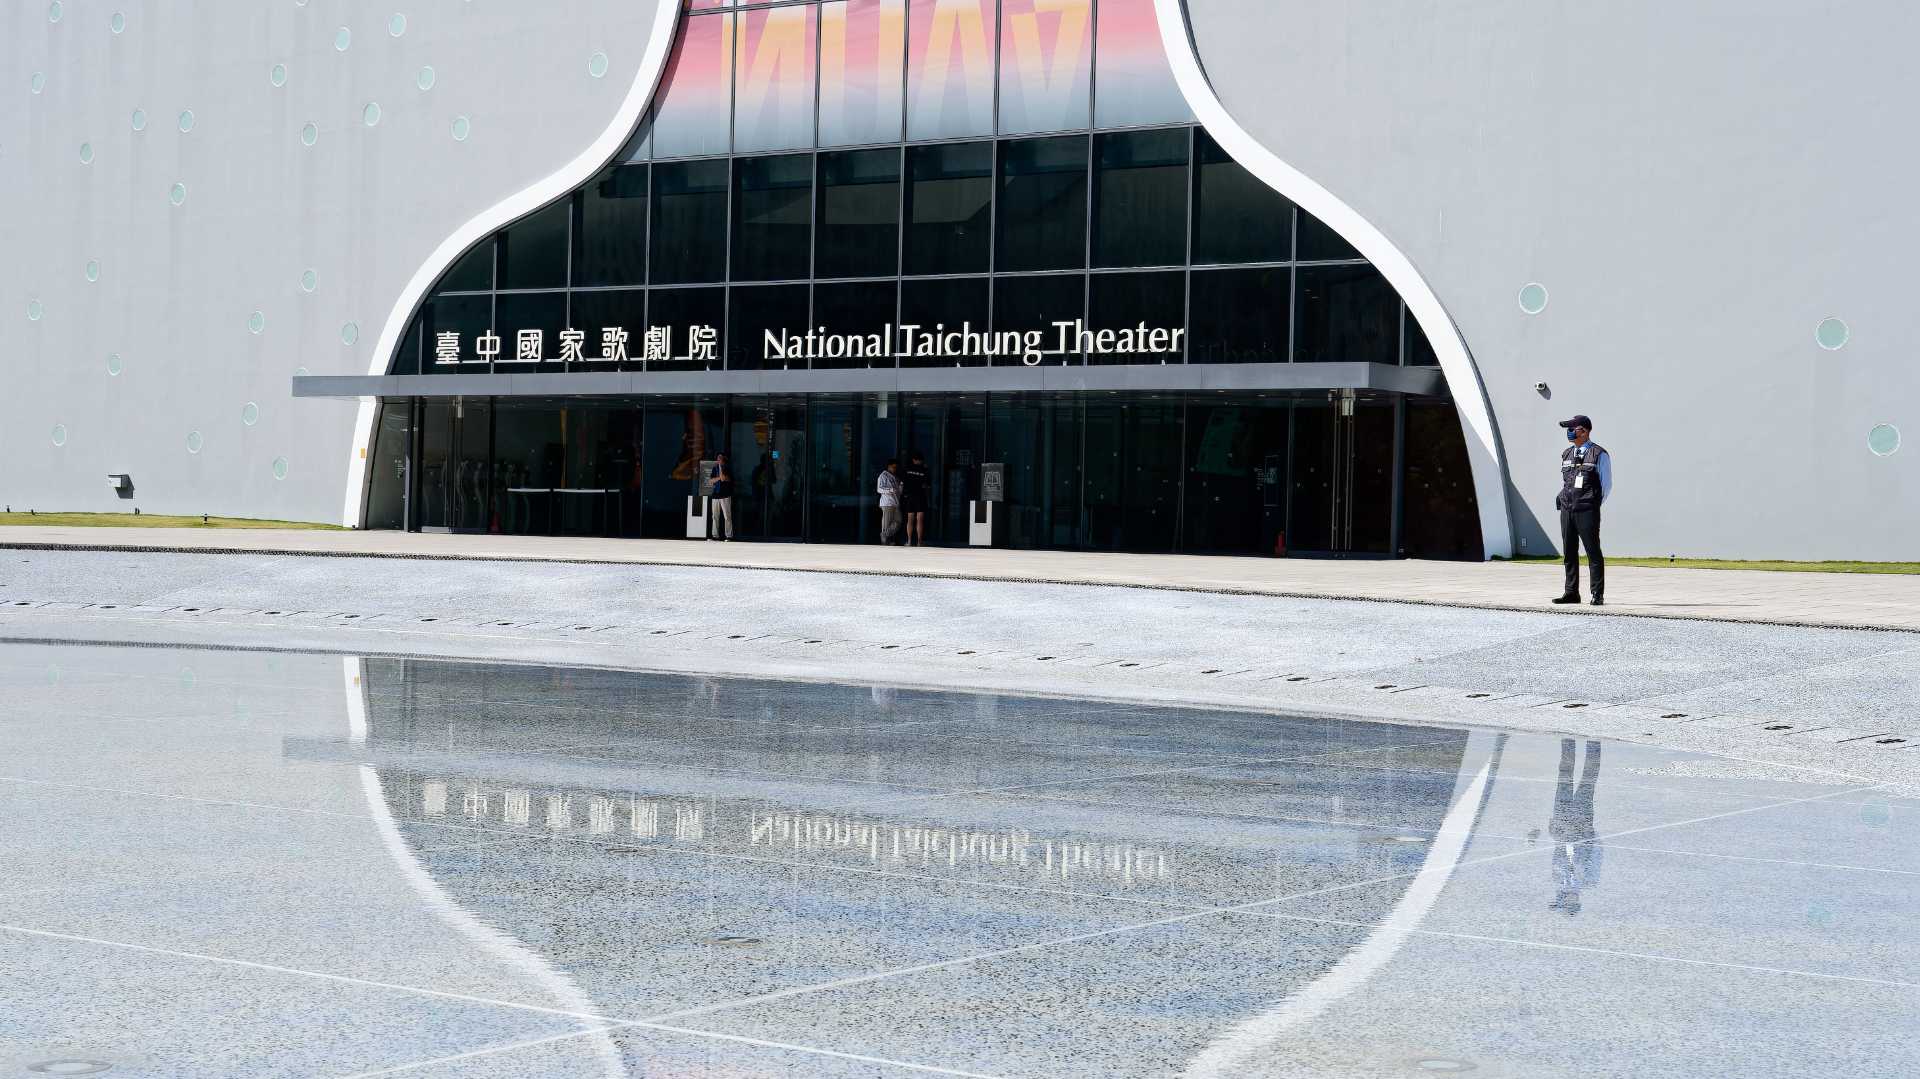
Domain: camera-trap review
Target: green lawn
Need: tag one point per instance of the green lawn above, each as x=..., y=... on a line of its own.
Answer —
x=145, y=520
x=1728, y=563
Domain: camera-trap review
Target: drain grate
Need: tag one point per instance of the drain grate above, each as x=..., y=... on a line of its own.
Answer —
x=733, y=941
x=1889, y=741
x=965, y=652
x=1043, y=659
x=1388, y=685
x=1574, y=704
x=1674, y=715
x=1478, y=696
x=1211, y=670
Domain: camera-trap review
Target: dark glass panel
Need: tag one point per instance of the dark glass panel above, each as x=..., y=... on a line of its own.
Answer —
x=1043, y=204
x=1237, y=218
x=1140, y=199
x=1310, y=512
x=387, y=466
x=1317, y=241
x=1236, y=476
x=1239, y=316
x=678, y=436
x=533, y=250
x=436, y=486
x=767, y=444
x=689, y=222
x=1038, y=440
x=1346, y=314
x=530, y=460
x=772, y=217
x=1419, y=350
x=622, y=311
x=694, y=321
x=1138, y=317
x=456, y=450
x=840, y=483
x=963, y=440
x=465, y=318
x=1032, y=305
x=863, y=308
x=537, y=313
x=474, y=271
x=938, y=307
x=406, y=354
x=949, y=208
x=1133, y=473
x=1442, y=518
x=612, y=246
x=756, y=311
x=1372, y=480
x=859, y=214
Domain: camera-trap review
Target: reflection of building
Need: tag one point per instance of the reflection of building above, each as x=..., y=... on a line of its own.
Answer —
x=1332, y=271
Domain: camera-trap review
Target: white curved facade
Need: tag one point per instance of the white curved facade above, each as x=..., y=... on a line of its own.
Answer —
x=1689, y=239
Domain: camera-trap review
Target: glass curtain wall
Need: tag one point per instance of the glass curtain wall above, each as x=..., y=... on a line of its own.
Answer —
x=833, y=184
x=1205, y=472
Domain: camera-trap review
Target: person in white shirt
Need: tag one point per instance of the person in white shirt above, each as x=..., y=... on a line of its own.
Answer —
x=888, y=485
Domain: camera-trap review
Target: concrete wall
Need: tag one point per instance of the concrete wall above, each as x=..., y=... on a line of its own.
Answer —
x=363, y=208
x=1697, y=185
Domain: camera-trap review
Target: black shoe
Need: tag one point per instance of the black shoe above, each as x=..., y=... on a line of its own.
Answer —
x=1598, y=602
x=1566, y=599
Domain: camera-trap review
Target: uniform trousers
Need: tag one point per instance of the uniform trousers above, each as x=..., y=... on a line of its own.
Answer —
x=1578, y=527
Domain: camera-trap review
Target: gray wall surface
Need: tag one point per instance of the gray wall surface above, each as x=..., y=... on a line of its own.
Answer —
x=1697, y=185
x=363, y=207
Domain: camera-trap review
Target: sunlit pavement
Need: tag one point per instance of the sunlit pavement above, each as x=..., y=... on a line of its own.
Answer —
x=1871, y=601
x=228, y=862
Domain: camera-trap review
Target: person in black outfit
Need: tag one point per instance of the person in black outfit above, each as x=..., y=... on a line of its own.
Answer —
x=916, y=491
x=722, y=495
x=1586, y=478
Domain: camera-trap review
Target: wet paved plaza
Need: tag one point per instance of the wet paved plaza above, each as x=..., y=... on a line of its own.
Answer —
x=258, y=863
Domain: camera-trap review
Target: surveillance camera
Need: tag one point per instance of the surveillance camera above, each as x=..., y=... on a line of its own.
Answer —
x=1540, y=386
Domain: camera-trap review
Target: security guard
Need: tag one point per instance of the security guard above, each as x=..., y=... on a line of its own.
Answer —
x=1586, y=478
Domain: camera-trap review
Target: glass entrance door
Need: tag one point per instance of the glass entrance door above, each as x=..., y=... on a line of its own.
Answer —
x=1342, y=490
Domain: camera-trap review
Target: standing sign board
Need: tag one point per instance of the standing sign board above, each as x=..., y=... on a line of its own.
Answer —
x=993, y=481
x=706, y=479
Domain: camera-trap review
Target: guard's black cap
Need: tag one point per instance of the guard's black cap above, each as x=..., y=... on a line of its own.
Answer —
x=1578, y=421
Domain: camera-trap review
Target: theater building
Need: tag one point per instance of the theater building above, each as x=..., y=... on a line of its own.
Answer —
x=1131, y=275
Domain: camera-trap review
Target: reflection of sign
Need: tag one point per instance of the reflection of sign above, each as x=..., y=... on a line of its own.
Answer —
x=706, y=479
x=906, y=341
x=993, y=481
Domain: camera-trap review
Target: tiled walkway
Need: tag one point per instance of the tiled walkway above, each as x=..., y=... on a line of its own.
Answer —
x=1875, y=601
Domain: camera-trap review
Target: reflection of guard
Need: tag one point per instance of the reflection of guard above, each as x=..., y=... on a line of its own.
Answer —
x=1576, y=853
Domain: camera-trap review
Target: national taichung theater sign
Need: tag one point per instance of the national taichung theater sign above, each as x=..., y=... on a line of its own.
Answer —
x=990, y=232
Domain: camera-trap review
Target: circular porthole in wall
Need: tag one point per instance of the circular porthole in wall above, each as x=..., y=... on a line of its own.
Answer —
x=86, y=153
x=424, y=80
x=93, y=270
x=278, y=76
x=597, y=65
x=350, y=333
x=1533, y=297
x=279, y=468
x=300, y=372
x=1831, y=334
x=55, y=10
x=342, y=38
x=195, y=442
x=117, y=23
x=249, y=413
x=462, y=127
x=59, y=434
x=37, y=81
x=1883, y=440
x=186, y=120
x=309, y=281
x=114, y=366
x=34, y=310
x=139, y=119
x=397, y=25
x=309, y=135
x=177, y=194
x=371, y=114
x=256, y=323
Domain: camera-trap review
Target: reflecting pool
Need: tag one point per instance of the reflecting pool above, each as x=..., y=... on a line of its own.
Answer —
x=249, y=863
